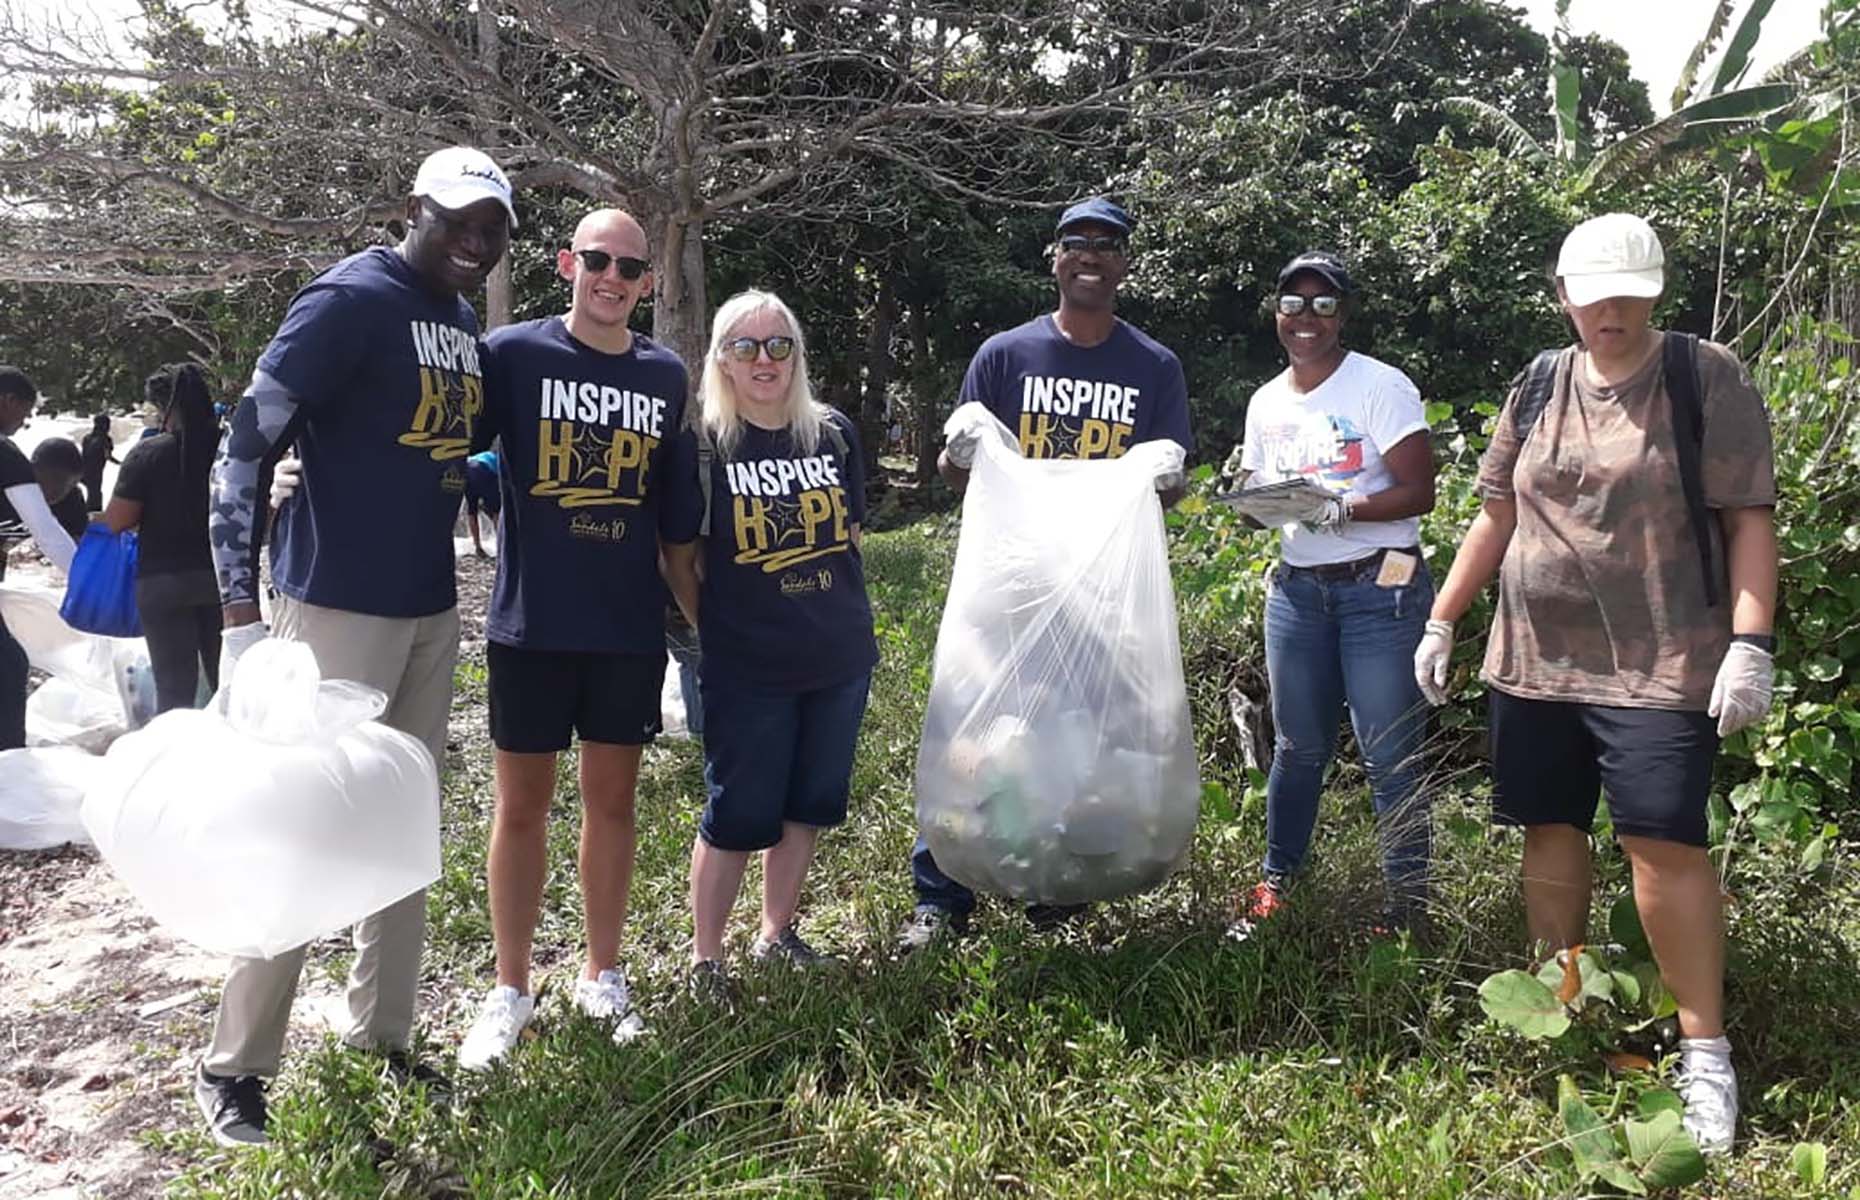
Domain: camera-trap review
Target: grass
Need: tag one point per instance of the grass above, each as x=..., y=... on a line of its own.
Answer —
x=1142, y=1052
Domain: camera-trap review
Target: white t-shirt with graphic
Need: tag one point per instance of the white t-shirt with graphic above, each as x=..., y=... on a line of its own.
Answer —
x=1334, y=436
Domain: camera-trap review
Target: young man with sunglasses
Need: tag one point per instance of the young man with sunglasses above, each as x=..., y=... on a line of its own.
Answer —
x=1347, y=604
x=375, y=377
x=1079, y=382
x=599, y=473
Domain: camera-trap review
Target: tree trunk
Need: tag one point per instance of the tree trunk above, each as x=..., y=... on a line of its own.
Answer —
x=679, y=307
x=878, y=369
x=923, y=427
x=499, y=295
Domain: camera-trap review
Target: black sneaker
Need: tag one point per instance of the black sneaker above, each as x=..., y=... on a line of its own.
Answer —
x=405, y=1070
x=1043, y=917
x=930, y=923
x=787, y=947
x=234, y=1106
x=710, y=985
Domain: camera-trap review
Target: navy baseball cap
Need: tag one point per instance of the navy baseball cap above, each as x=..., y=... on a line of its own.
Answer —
x=1320, y=263
x=1100, y=209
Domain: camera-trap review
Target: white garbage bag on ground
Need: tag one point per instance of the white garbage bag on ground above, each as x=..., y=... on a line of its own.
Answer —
x=672, y=721
x=292, y=816
x=112, y=674
x=41, y=791
x=1057, y=761
x=62, y=713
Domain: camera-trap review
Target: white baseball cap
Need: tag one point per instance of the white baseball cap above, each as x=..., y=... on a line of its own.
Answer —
x=459, y=176
x=1616, y=254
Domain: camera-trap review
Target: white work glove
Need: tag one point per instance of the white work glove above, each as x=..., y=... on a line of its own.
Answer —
x=1740, y=696
x=1431, y=659
x=966, y=428
x=1164, y=459
x=286, y=478
x=235, y=641
x=1329, y=514
x=1234, y=470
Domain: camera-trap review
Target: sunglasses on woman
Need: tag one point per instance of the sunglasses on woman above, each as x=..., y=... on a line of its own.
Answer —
x=745, y=349
x=1321, y=306
x=597, y=260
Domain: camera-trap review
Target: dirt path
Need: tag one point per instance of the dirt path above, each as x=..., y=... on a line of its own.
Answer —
x=102, y=1014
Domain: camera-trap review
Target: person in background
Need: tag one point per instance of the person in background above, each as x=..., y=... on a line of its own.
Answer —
x=1345, y=607
x=23, y=512
x=59, y=464
x=786, y=626
x=98, y=448
x=481, y=494
x=375, y=377
x=1620, y=653
x=161, y=492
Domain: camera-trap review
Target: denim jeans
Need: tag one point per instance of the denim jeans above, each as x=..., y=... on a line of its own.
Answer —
x=935, y=888
x=683, y=643
x=1332, y=642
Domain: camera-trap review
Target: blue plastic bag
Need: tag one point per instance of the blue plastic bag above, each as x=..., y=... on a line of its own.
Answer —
x=101, y=597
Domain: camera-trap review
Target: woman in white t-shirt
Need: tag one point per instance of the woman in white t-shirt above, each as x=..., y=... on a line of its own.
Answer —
x=1349, y=600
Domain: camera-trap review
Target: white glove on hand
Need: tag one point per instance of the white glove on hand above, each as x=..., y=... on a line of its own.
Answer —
x=1740, y=696
x=1233, y=468
x=286, y=478
x=1328, y=514
x=966, y=428
x=234, y=642
x=1164, y=459
x=1431, y=659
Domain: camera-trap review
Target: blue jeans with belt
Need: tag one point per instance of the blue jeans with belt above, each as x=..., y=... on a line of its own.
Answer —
x=1334, y=638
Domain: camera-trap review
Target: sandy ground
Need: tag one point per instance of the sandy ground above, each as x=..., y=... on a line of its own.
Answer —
x=102, y=1014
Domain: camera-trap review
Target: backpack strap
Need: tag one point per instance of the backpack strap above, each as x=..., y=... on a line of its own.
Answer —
x=706, y=455
x=1534, y=384
x=1680, y=367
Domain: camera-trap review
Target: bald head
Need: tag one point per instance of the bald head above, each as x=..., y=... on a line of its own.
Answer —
x=613, y=230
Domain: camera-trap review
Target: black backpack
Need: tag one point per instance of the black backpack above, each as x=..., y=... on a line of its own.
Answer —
x=1680, y=366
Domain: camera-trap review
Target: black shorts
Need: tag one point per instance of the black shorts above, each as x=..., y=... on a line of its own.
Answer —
x=1551, y=757
x=538, y=697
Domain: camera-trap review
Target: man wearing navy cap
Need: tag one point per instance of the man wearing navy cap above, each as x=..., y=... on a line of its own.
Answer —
x=1074, y=383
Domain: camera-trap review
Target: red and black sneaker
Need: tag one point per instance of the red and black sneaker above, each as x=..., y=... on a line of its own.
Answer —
x=1259, y=904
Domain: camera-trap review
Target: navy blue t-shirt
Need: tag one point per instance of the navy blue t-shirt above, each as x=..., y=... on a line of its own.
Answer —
x=783, y=607
x=388, y=383
x=598, y=467
x=1067, y=401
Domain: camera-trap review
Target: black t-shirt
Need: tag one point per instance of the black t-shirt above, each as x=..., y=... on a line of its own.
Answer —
x=72, y=513
x=96, y=451
x=173, y=533
x=15, y=469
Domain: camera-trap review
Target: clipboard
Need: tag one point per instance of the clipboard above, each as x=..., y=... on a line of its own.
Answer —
x=1281, y=503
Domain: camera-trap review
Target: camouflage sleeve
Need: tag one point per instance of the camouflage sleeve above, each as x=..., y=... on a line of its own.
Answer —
x=1738, y=459
x=262, y=425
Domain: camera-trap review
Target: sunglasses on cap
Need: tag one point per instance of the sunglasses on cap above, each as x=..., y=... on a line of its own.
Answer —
x=745, y=349
x=1291, y=305
x=597, y=260
x=1079, y=243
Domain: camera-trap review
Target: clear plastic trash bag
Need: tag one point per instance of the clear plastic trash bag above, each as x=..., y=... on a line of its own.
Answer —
x=1057, y=763
x=113, y=672
x=62, y=713
x=290, y=817
x=41, y=791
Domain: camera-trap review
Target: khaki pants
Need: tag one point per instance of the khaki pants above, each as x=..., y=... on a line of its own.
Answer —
x=411, y=659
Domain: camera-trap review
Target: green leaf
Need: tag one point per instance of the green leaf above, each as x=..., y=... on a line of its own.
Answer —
x=1516, y=999
x=1737, y=55
x=1809, y=1160
x=1714, y=29
x=1655, y=1101
x=1655, y=1000
x=1823, y=668
x=1438, y=412
x=1624, y=927
x=1663, y=1152
x=1627, y=988
x=1591, y=1143
x=1216, y=802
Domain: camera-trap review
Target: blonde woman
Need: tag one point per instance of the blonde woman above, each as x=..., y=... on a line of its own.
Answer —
x=784, y=622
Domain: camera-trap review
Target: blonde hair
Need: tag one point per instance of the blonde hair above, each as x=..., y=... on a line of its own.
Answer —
x=807, y=417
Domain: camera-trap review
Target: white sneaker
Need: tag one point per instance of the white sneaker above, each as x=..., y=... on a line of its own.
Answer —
x=605, y=998
x=500, y=1022
x=1708, y=1083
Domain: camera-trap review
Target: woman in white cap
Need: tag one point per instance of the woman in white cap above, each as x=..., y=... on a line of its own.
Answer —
x=1628, y=502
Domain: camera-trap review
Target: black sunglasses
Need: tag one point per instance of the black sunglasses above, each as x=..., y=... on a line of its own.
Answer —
x=1291, y=305
x=1078, y=243
x=597, y=260
x=745, y=349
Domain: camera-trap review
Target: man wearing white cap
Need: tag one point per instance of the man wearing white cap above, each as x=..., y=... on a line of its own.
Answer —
x=375, y=378
x=1629, y=496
